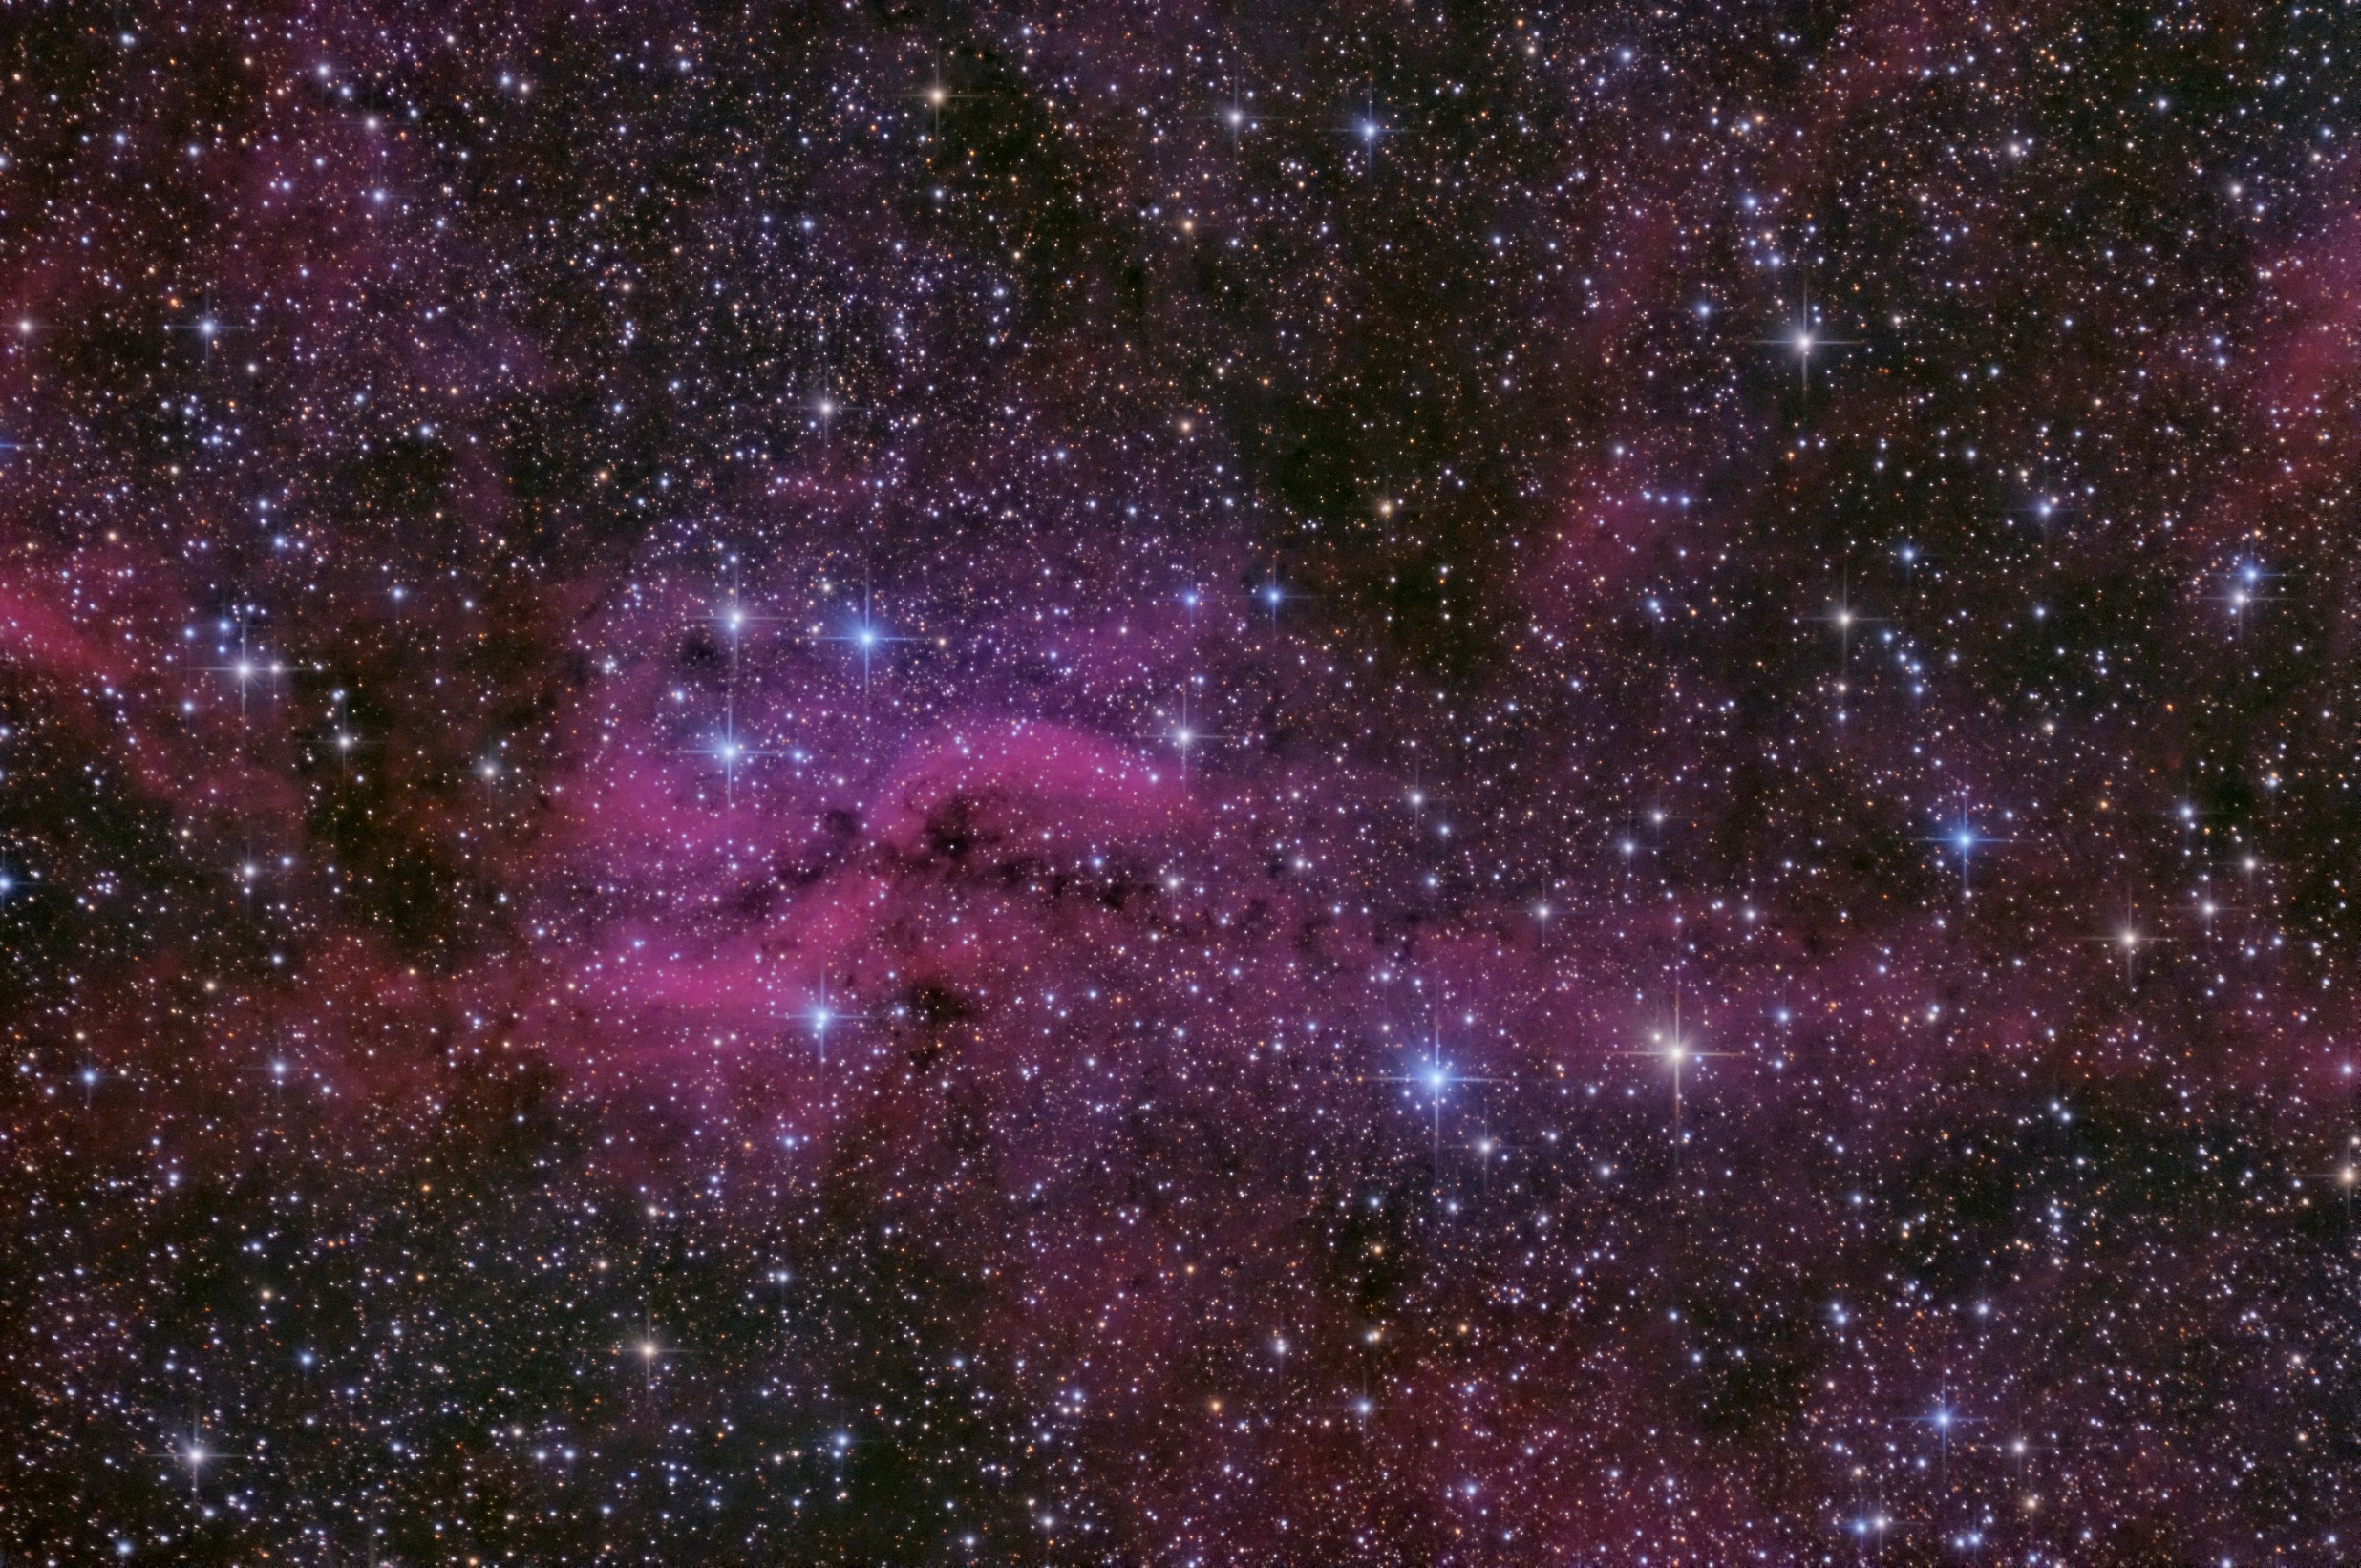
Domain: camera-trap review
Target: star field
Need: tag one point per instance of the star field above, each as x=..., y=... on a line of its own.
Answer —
x=1404, y=784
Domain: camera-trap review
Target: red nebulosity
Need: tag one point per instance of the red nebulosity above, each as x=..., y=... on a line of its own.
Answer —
x=1120, y=786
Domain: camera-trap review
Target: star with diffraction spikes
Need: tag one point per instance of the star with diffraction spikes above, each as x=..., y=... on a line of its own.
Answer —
x=868, y=638
x=1435, y=1078
x=1677, y=1051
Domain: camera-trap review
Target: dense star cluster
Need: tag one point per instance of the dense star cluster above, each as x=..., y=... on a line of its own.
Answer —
x=1147, y=783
